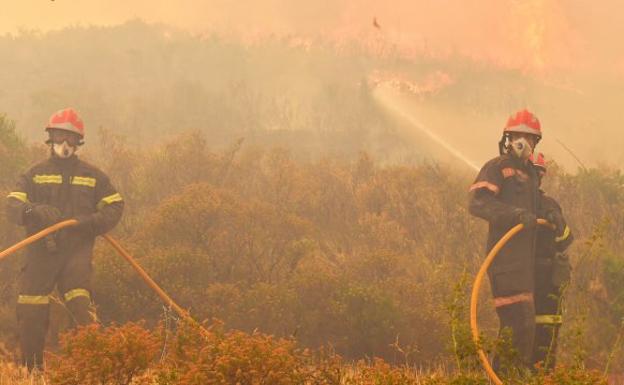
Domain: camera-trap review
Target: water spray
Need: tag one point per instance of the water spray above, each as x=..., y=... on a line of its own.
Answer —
x=387, y=102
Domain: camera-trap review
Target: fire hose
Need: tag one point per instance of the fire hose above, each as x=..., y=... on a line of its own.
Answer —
x=474, y=299
x=168, y=301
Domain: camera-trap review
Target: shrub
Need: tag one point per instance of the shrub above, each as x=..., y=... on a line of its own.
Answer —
x=217, y=357
x=563, y=375
x=92, y=355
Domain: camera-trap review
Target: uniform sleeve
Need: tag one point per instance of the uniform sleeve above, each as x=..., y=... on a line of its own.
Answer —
x=18, y=201
x=549, y=205
x=110, y=205
x=484, y=202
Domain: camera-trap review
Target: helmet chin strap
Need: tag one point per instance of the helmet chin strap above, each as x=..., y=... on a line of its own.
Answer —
x=503, y=145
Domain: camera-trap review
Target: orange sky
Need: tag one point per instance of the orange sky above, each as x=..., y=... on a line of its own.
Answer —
x=570, y=45
x=535, y=35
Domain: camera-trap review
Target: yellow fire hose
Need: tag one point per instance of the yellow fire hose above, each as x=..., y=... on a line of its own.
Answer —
x=148, y=280
x=474, y=299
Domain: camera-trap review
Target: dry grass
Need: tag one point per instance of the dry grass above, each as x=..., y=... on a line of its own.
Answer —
x=12, y=374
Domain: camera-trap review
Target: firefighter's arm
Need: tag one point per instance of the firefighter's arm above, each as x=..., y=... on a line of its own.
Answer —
x=109, y=208
x=18, y=201
x=484, y=202
x=564, y=240
x=552, y=212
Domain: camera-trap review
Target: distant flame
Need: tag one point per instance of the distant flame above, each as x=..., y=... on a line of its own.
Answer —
x=430, y=84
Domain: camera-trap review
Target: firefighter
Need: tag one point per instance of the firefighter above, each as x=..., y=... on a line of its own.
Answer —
x=61, y=187
x=505, y=193
x=552, y=273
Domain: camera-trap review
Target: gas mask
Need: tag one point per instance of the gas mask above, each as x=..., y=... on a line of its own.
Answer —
x=520, y=148
x=63, y=150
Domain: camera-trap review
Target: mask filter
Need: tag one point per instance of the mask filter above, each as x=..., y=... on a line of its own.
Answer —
x=521, y=148
x=63, y=150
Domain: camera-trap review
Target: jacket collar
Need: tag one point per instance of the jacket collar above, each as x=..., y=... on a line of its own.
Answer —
x=526, y=165
x=63, y=163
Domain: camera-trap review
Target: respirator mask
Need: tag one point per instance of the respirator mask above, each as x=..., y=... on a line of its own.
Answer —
x=63, y=150
x=520, y=148
x=64, y=144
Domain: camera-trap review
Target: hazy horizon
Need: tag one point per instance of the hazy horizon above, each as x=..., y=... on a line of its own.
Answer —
x=533, y=35
x=554, y=57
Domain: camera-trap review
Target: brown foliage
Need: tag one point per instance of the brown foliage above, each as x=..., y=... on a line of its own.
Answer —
x=348, y=253
x=234, y=357
x=94, y=356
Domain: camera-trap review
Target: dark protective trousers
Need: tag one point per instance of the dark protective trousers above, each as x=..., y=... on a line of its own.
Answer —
x=517, y=319
x=547, y=315
x=41, y=273
x=514, y=302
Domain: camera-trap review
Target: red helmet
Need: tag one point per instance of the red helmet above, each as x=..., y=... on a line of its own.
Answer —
x=524, y=122
x=68, y=120
x=539, y=162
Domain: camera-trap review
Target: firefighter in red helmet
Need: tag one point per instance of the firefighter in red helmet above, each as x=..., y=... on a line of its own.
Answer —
x=552, y=273
x=61, y=187
x=506, y=193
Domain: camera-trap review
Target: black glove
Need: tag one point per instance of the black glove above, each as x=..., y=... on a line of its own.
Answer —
x=525, y=217
x=556, y=218
x=44, y=215
x=85, y=223
x=50, y=243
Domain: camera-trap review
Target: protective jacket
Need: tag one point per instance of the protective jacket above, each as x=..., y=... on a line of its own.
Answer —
x=78, y=190
x=75, y=187
x=504, y=186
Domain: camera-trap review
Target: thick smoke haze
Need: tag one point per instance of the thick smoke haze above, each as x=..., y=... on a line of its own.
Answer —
x=537, y=35
x=558, y=58
x=301, y=170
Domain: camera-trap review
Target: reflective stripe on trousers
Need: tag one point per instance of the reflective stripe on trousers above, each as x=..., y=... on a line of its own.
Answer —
x=24, y=299
x=548, y=319
x=75, y=293
x=504, y=301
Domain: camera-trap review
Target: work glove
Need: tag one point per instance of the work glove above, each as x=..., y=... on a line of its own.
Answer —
x=556, y=218
x=525, y=217
x=44, y=215
x=50, y=243
x=85, y=223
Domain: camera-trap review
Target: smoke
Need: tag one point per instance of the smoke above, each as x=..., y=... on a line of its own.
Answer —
x=482, y=60
x=385, y=96
x=532, y=35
